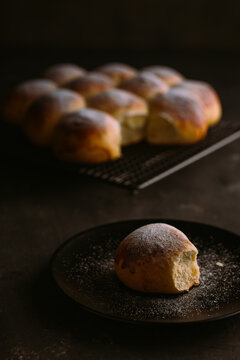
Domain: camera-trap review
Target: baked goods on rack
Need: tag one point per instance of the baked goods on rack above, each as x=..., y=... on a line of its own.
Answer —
x=118, y=72
x=157, y=258
x=130, y=110
x=43, y=115
x=208, y=97
x=90, y=84
x=156, y=104
x=22, y=96
x=176, y=117
x=63, y=73
x=145, y=85
x=88, y=136
x=169, y=75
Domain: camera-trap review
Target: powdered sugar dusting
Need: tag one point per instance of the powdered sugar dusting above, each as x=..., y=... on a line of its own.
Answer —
x=89, y=278
x=151, y=239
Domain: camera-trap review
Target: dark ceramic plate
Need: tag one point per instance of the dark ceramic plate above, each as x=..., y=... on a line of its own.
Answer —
x=83, y=268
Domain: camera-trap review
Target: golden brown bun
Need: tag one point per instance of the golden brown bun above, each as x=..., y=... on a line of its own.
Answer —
x=176, y=117
x=169, y=75
x=45, y=112
x=88, y=136
x=63, y=73
x=129, y=109
x=117, y=72
x=157, y=258
x=19, y=100
x=145, y=85
x=209, y=98
x=90, y=84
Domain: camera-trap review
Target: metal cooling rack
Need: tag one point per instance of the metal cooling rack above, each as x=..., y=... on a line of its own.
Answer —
x=140, y=166
x=144, y=164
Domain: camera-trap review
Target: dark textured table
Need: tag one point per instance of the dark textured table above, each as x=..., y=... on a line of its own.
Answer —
x=41, y=207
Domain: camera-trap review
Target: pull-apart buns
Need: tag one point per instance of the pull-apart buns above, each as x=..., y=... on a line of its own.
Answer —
x=90, y=84
x=145, y=85
x=129, y=109
x=117, y=72
x=88, y=136
x=176, y=118
x=45, y=112
x=22, y=96
x=63, y=73
x=207, y=96
x=157, y=258
x=169, y=75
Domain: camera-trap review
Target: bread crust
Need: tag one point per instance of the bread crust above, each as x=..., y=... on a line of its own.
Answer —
x=145, y=85
x=63, y=73
x=208, y=97
x=118, y=103
x=45, y=112
x=87, y=135
x=183, y=111
x=145, y=259
x=118, y=72
x=22, y=96
x=90, y=84
x=169, y=75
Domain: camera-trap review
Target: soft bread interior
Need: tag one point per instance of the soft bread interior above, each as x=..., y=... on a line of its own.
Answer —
x=133, y=129
x=135, y=122
x=162, y=130
x=186, y=270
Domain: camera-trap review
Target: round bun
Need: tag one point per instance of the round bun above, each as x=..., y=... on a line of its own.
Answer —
x=157, y=258
x=176, y=117
x=90, y=84
x=117, y=72
x=169, y=75
x=88, y=136
x=118, y=103
x=63, y=73
x=145, y=85
x=208, y=97
x=129, y=109
x=45, y=112
x=22, y=96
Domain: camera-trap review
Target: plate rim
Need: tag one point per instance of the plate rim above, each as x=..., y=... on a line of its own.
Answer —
x=140, y=322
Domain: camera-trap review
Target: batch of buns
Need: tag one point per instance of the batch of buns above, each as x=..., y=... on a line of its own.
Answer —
x=88, y=116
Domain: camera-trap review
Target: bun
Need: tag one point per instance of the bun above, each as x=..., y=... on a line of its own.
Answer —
x=157, y=258
x=169, y=75
x=22, y=96
x=176, y=117
x=90, y=84
x=145, y=85
x=88, y=136
x=207, y=96
x=45, y=112
x=117, y=72
x=129, y=109
x=63, y=73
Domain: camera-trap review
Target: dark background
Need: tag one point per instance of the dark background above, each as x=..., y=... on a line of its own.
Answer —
x=134, y=24
x=199, y=38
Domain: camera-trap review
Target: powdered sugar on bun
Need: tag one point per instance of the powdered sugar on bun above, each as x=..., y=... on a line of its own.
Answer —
x=157, y=258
